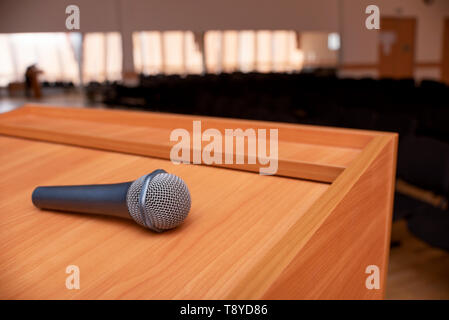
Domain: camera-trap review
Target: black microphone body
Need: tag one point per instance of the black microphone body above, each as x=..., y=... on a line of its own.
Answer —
x=158, y=201
x=105, y=199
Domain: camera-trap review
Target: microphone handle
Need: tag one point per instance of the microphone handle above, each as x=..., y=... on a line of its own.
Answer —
x=105, y=199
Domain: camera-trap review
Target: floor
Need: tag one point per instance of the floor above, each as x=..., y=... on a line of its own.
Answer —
x=416, y=270
x=72, y=98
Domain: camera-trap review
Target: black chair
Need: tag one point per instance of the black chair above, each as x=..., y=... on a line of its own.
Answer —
x=424, y=163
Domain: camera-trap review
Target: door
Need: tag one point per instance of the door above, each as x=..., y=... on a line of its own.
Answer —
x=445, y=57
x=396, y=47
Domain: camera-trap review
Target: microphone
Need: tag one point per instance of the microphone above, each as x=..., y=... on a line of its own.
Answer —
x=158, y=201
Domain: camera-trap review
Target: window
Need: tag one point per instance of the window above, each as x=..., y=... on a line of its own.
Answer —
x=333, y=41
x=264, y=51
x=8, y=73
x=54, y=54
x=170, y=52
x=193, y=56
x=216, y=51
x=247, y=51
x=230, y=62
x=102, y=57
x=148, y=52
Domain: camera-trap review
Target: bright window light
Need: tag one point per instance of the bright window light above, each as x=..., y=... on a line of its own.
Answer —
x=333, y=41
x=102, y=57
x=216, y=51
x=53, y=53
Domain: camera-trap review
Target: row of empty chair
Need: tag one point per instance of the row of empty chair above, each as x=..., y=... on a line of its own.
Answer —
x=392, y=105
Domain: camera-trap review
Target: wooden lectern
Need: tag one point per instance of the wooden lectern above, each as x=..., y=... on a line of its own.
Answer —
x=313, y=231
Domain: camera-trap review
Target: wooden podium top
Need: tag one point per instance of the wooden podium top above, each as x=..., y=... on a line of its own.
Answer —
x=308, y=232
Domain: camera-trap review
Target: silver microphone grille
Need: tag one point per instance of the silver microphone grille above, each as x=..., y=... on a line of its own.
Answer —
x=166, y=201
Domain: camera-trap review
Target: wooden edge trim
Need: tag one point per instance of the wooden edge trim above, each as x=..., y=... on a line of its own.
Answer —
x=341, y=137
x=266, y=271
x=387, y=239
x=286, y=168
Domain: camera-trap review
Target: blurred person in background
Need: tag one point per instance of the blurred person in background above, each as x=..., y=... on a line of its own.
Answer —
x=32, y=82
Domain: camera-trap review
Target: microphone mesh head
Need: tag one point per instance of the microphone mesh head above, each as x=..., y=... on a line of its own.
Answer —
x=132, y=200
x=167, y=201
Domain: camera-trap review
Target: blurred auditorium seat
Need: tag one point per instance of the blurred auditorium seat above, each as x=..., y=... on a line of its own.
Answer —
x=387, y=104
x=424, y=162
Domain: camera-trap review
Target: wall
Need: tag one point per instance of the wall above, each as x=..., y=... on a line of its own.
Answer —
x=359, y=45
x=315, y=48
x=116, y=15
x=127, y=16
x=49, y=15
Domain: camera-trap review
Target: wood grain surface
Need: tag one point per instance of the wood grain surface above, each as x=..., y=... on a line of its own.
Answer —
x=355, y=234
x=235, y=218
x=247, y=236
x=307, y=152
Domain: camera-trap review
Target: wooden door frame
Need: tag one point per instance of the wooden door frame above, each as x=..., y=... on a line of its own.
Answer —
x=445, y=52
x=415, y=21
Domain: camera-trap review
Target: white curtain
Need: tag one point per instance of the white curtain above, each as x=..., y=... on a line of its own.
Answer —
x=176, y=52
x=102, y=57
x=52, y=52
x=169, y=52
